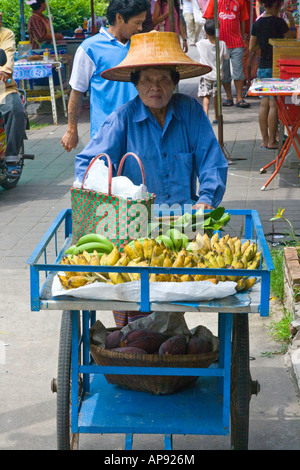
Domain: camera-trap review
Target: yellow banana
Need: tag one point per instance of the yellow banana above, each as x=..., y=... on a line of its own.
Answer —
x=77, y=281
x=237, y=246
x=81, y=259
x=240, y=285
x=206, y=241
x=63, y=281
x=122, y=261
x=178, y=263
x=245, y=246
x=199, y=241
x=228, y=256
x=214, y=239
x=253, y=264
x=129, y=251
x=231, y=245
x=167, y=263
x=95, y=259
x=138, y=248
x=163, y=277
x=148, y=248
x=249, y=252
x=155, y=261
x=219, y=248
x=220, y=261
x=186, y=278
x=249, y=283
x=113, y=257
x=103, y=259
x=239, y=265
x=116, y=278
x=188, y=260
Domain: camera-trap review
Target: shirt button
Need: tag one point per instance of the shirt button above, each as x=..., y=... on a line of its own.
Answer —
x=167, y=176
x=164, y=154
x=168, y=196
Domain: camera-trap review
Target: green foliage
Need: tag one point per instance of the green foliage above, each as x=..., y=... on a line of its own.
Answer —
x=277, y=281
x=280, y=330
x=66, y=15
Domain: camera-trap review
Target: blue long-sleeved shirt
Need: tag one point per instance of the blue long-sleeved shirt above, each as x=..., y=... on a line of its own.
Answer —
x=174, y=158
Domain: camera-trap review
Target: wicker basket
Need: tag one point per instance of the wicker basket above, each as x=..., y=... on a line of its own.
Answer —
x=155, y=384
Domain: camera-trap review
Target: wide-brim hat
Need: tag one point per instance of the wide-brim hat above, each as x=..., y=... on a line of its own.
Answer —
x=155, y=49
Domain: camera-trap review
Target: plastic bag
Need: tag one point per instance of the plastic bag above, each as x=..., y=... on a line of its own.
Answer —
x=121, y=186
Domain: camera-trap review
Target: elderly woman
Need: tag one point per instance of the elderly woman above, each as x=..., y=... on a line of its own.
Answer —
x=169, y=132
x=39, y=26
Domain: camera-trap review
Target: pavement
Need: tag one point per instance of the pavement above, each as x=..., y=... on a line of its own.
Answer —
x=29, y=340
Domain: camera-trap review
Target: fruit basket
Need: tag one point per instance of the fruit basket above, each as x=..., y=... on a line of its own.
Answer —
x=156, y=384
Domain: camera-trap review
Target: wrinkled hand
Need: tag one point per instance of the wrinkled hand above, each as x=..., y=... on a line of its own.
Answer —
x=70, y=140
x=202, y=205
x=4, y=76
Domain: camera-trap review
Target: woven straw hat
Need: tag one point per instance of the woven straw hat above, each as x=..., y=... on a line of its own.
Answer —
x=155, y=49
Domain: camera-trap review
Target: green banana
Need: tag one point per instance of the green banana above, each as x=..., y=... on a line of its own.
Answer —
x=94, y=238
x=166, y=241
x=70, y=250
x=176, y=237
x=185, y=240
x=90, y=247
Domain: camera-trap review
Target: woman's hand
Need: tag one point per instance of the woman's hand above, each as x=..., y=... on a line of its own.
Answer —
x=202, y=205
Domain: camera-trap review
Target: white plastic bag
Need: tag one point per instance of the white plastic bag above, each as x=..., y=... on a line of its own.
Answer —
x=121, y=186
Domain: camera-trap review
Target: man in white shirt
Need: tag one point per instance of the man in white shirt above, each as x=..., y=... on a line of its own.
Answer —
x=96, y=54
x=193, y=28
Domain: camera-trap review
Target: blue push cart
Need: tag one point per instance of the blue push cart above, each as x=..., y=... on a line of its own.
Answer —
x=219, y=401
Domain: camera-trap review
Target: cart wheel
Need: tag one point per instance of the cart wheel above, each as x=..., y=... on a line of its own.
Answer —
x=241, y=383
x=65, y=439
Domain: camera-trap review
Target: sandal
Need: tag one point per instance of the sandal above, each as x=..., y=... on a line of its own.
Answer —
x=228, y=103
x=242, y=104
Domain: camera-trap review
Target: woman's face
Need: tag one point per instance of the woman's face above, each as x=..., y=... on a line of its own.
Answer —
x=155, y=87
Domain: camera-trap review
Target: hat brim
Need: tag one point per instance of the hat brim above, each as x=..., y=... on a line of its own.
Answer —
x=185, y=70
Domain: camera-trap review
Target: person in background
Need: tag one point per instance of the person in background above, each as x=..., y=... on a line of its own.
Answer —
x=161, y=20
x=193, y=29
x=97, y=53
x=148, y=23
x=232, y=17
x=11, y=106
x=266, y=27
x=38, y=26
x=207, y=55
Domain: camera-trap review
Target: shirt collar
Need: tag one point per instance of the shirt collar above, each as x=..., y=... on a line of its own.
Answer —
x=142, y=112
x=110, y=37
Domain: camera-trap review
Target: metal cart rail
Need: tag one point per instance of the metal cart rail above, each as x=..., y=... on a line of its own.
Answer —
x=218, y=404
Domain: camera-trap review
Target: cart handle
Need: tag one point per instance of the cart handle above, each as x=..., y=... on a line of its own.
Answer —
x=109, y=170
x=137, y=159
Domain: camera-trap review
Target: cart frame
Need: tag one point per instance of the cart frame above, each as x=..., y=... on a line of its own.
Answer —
x=95, y=407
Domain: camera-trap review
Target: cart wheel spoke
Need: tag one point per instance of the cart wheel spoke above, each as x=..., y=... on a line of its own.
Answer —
x=65, y=439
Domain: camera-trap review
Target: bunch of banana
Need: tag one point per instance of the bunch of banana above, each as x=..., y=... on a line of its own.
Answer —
x=173, y=239
x=72, y=279
x=214, y=252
